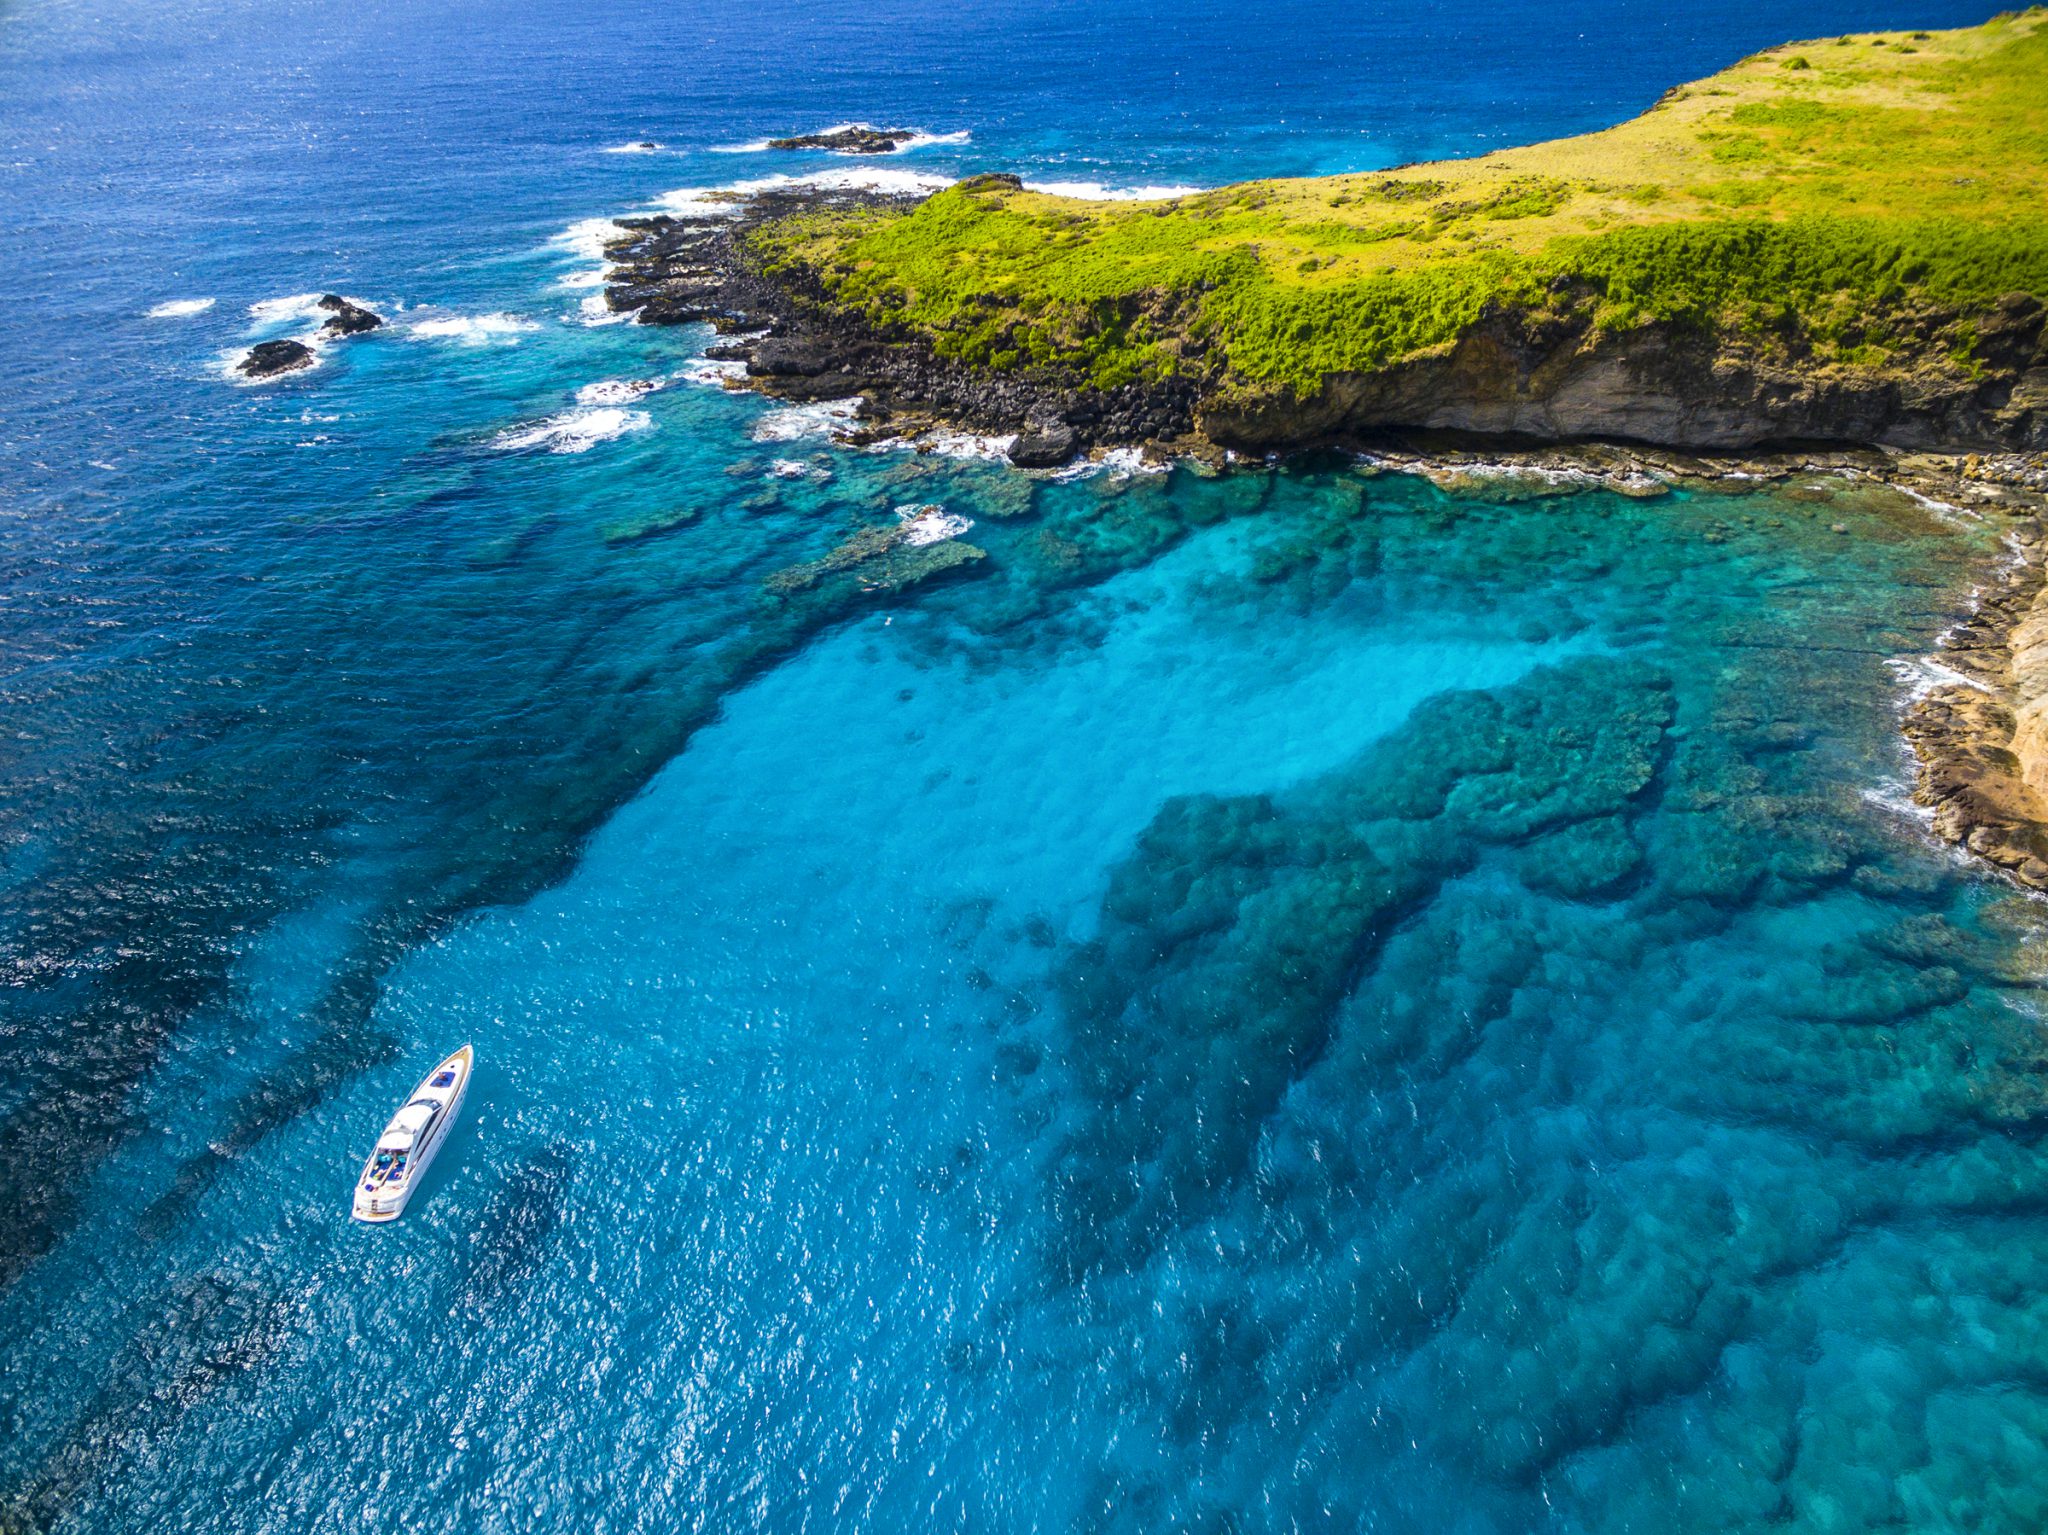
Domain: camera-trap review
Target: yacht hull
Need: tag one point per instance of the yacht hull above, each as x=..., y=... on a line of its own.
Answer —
x=411, y=1140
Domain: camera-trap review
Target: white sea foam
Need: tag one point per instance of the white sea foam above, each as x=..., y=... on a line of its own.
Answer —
x=1118, y=463
x=793, y=423
x=637, y=147
x=474, y=329
x=930, y=523
x=1945, y=510
x=587, y=238
x=575, y=431
x=618, y=391
x=752, y=147
x=597, y=310
x=592, y=278
x=179, y=308
x=699, y=202
x=789, y=469
x=1897, y=799
x=711, y=371
x=970, y=445
x=1921, y=675
x=1096, y=191
x=279, y=311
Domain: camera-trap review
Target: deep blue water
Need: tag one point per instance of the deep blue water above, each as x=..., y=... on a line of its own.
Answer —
x=1281, y=1001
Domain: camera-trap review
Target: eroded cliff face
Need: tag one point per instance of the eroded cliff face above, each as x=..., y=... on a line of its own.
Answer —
x=1553, y=377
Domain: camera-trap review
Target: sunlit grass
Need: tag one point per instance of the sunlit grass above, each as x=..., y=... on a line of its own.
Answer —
x=1814, y=191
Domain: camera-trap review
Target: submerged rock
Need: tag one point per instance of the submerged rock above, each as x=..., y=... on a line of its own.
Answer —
x=921, y=545
x=267, y=359
x=633, y=530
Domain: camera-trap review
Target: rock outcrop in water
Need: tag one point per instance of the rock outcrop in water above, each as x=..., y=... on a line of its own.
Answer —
x=345, y=318
x=854, y=139
x=267, y=359
x=922, y=544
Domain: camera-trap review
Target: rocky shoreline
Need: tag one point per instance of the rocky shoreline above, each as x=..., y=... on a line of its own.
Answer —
x=796, y=345
x=1470, y=422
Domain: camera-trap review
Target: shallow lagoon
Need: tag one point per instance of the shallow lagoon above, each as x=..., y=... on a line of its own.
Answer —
x=1334, y=1003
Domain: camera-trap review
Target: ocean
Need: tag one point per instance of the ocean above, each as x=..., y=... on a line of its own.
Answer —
x=1293, y=999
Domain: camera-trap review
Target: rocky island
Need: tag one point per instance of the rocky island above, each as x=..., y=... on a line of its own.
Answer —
x=1837, y=244
x=853, y=139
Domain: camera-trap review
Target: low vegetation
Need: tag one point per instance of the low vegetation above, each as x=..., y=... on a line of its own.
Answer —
x=1818, y=196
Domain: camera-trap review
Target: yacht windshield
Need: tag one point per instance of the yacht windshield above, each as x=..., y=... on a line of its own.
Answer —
x=414, y=1118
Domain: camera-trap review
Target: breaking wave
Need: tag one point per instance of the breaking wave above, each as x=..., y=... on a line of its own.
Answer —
x=474, y=330
x=575, y=431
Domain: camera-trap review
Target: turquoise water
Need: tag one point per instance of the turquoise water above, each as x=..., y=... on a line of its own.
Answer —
x=1275, y=1001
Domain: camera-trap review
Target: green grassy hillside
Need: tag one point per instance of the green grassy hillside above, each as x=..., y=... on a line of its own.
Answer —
x=1811, y=195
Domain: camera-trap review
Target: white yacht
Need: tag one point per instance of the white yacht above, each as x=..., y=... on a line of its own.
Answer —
x=409, y=1142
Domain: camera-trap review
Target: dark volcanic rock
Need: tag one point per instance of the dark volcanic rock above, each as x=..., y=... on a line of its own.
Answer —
x=267, y=359
x=795, y=344
x=346, y=319
x=1045, y=447
x=792, y=357
x=856, y=139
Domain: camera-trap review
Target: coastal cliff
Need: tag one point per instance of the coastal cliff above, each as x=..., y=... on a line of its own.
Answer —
x=1842, y=240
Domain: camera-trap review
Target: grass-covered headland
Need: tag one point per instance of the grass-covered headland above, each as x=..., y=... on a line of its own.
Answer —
x=1868, y=214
